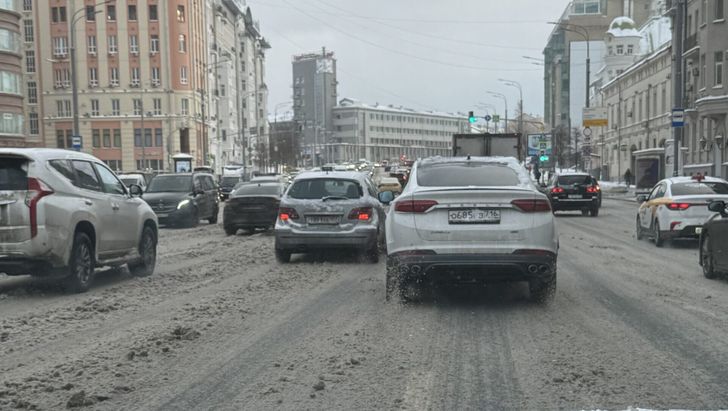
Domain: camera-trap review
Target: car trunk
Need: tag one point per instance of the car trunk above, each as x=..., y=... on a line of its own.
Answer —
x=331, y=214
x=698, y=204
x=256, y=204
x=473, y=215
x=14, y=213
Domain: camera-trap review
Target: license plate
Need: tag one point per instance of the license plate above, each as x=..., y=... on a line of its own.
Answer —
x=576, y=196
x=698, y=230
x=474, y=216
x=322, y=220
x=162, y=215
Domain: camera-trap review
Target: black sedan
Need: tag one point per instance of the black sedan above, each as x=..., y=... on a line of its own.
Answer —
x=251, y=206
x=574, y=192
x=714, y=241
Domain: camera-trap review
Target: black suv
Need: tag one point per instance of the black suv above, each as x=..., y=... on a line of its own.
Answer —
x=574, y=192
x=227, y=184
x=183, y=198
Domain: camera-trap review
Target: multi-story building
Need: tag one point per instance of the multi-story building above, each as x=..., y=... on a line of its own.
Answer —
x=12, y=121
x=378, y=132
x=706, y=88
x=140, y=78
x=314, y=97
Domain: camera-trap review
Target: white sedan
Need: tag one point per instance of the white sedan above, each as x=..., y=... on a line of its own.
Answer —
x=467, y=220
x=677, y=207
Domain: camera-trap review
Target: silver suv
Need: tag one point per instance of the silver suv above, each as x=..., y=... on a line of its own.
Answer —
x=63, y=213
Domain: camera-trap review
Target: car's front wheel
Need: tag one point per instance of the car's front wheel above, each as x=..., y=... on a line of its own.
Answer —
x=147, y=255
x=638, y=229
x=706, y=258
x=231, y=230
x=659, y=241
x=80, y=265
x=194, y=218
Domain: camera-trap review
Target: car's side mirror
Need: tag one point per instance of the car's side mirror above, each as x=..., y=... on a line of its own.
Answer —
x=386, y=197
x=641, y=198
x=718, y=207
x=136, y=190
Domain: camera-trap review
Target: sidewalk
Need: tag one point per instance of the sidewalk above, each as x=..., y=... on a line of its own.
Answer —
x=618, y=191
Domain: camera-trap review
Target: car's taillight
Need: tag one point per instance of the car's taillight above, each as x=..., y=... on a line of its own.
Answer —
x=534, y=252
x=557, y=190
x=285, y=214
x=414, y=206
x=592, y=189
x=532, y=205
x=678, y=206
x=361, y=214
x=37, y=189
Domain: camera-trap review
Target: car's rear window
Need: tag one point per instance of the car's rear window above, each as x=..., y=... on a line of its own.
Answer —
x=466, y=174
x=13, y=174
x=575, y=179
x=229, y=181
x=257, y=189
x=703, y=188
x=314, y=189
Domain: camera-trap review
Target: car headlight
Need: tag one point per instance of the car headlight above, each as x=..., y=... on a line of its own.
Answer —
x=182, y=204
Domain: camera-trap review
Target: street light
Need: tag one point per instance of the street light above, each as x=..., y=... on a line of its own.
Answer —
x=517, y=85
x=505, y=101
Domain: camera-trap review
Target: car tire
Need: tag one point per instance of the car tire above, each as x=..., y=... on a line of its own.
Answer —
x=80, y=265
x=584, y=213
x=148, y=255
x=410, y=291
x=371, y=254
x=213, y=219
x=594, y=212
x=231, y=230
x=659, y=241
x=391, y=283
x=283, y=256
x=638, y=229
x=543, y=292
x=706, y=259
x=194, y=219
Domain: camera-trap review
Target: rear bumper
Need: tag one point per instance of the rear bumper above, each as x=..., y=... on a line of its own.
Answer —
x=17, y=265
x=359, y=238
x=239, y=219
x=684, y=232
x=574, y=203
x=32, y=256
x=467, y=268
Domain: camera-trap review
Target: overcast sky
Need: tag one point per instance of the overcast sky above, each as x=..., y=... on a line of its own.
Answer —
x=423, y=54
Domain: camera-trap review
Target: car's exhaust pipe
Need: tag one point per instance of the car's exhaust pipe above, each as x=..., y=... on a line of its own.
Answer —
x=403, y=269
x=533, y=268
x=415, y=269
x=544, y=269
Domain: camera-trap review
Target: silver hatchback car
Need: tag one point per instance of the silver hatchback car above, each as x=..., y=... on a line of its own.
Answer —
x=63, y=213
x=330, y=209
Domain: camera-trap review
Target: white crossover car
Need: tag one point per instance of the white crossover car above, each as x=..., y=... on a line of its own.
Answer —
x=478, y=219
x=677, y=207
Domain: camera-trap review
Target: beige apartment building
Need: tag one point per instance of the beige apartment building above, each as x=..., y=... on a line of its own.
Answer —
x=11, y=90
x=141, y=66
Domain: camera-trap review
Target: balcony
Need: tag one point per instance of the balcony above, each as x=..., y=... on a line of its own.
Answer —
x=691, y=45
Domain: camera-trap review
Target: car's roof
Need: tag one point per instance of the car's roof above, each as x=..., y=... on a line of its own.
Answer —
x=573, y=173
x=674, y=180
x=48, y=153
x=389, y=180
x=344, y=175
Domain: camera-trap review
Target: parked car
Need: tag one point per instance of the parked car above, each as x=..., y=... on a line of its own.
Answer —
x=677, y=207
x=390, y=184
x=330, y=210
x=470, y=220
x=252, y=206
x=183, y=198
x=64, y=213
x=714, y=241
x=134, y=178
x=227, y=185
x=574, y=192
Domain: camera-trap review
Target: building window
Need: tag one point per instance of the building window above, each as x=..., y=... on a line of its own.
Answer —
x=664, y=98
x=135, y=80
x=63, y=108
x=154, y=44
x=107, y=138
x=718, y=78
x=134, y=44
x=137, y=137
x=58, y=14
x=34, y=124
x=27, y=5
x=90, y=13
x=158, y=137
x=60, y=46
x=630, y=49
x=32, y=92
x=30, y=61
x=132, y=12
x=114, y=164
x=94, y=107
x=182, y=43
x=719, y=10
x=155, y=77
x=117, y=137
x=157, y=106
x=96, y=137
x=620, y=50
x=28, y=31
x=185, y=107
x=111, y=13
x=586, y=7
x=62, y=78
x=114, y=77
x=183, y=74
x=113, y=45
x=704, y=11
x=222, y=90
x=702, y=71
x=91, y=45
x=137, y=107
x=115, y=107
x=153, y=15
x=147, y=137
x=181, y=14
x=93, y=77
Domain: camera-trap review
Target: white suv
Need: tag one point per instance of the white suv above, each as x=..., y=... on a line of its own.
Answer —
x=470, y=220
x=63, y=213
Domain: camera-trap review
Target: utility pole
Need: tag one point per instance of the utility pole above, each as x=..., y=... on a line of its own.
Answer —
x=677, y=82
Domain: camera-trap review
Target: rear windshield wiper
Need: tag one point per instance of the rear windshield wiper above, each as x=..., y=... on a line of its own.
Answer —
x=334, y=198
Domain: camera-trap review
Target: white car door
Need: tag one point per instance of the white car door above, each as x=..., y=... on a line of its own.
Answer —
x=125, y=209
x=97, y=203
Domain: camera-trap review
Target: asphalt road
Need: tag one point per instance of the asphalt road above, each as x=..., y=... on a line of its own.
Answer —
x=221, y=325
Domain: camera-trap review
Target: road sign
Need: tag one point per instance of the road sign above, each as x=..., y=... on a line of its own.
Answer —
x=487, y=117
x=76, y=143
x=496, y=118
x=594, y=117
x=587, y=132
x=678, y=117
x=538, y=143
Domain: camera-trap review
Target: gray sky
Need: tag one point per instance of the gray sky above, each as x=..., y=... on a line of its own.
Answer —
x=424, y=54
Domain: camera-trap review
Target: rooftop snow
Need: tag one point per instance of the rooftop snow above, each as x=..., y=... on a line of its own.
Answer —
x=623, y=27
x=352, y=103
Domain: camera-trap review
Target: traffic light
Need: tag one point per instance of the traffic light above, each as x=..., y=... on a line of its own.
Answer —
x=543, y=157
x=471, y=117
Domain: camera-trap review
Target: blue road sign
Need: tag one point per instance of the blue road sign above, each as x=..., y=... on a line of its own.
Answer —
x=76, y=142
x=678, y=117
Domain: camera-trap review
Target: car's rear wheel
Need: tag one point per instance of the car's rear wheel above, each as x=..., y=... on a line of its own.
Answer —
x=585, y=212
x=371, y=254
x=283, y=256
x=392, y=279
x=543, y=292
x=706, y=258
x=213, y=219
x=81, y=265
x=594, y=212
x=147, y=253
x=638, y=229
x=231, y=230
x=659, y=241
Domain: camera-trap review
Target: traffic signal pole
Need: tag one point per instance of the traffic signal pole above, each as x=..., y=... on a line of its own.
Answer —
x=677, y=41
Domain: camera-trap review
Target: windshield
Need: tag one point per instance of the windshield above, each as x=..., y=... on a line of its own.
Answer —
x=170, y=183
x=257, y=189
x=466, y=174
x=319, y=188
x=702, y=188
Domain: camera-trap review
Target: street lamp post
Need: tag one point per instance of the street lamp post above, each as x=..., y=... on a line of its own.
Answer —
x=520, y=117
x=505, y=101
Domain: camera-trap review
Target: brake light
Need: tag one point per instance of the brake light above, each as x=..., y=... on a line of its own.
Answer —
x=361, y=214
x=557, y=190
x=678, y=206
x=536, y=252
x=414, y=206
x=532, y=205
x=37, y=189
x=285, y=214
x=592, y=189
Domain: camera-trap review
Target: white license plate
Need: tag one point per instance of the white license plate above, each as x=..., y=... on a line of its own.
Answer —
x=698, y=230
x=474, y=216
x=322, y=220
x=576, y=196
x=162, y=215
